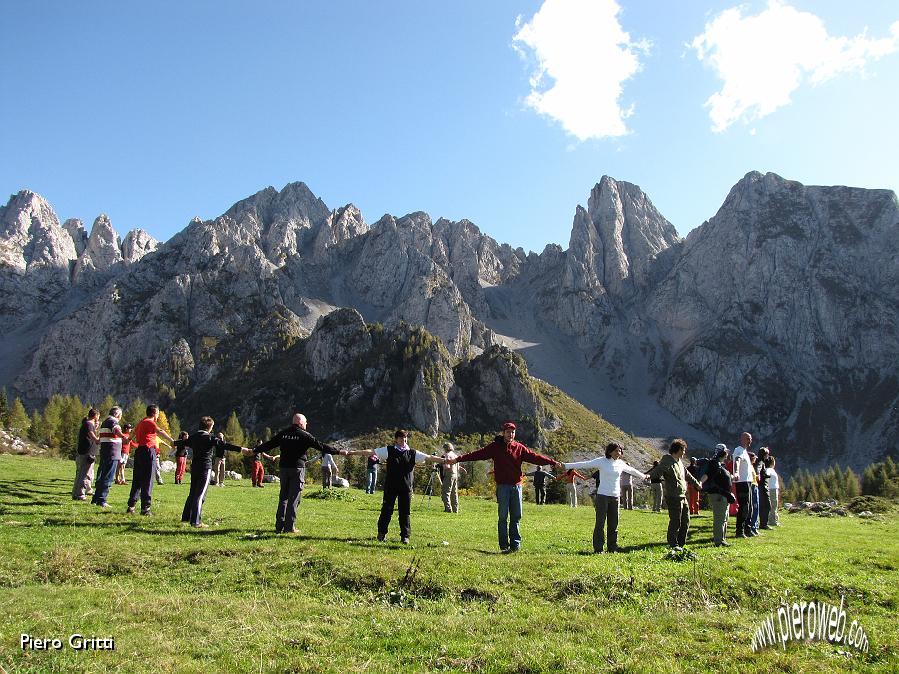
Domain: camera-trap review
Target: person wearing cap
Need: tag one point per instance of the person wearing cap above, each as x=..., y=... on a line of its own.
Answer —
x=400, y=460
x=507, y=456
x=716, y=483
x=449, y=480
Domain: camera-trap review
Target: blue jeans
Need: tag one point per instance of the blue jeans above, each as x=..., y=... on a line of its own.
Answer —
x=754, y=518
x=372, y=481
x=508, y=497
x=105, y=476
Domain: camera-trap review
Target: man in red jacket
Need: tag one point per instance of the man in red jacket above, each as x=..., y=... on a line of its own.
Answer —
x=507, y=456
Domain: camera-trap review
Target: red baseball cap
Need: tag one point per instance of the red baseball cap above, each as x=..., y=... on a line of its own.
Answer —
x=509, y=424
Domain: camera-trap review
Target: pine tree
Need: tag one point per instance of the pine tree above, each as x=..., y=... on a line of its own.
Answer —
x=72, y=412
x=135, y=411
x=19, y=423
x=105, y=405
x=36, y=429
x=853, y=484
x=233, y=432
x=4, y=409
x=175, y=425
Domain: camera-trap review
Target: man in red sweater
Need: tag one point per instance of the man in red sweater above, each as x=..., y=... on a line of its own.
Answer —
x=507, y=455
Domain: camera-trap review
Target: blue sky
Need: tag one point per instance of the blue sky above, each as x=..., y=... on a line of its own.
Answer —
x=157, y=112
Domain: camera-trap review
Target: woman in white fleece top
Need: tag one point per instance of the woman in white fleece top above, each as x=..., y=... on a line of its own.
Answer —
x=610, y=469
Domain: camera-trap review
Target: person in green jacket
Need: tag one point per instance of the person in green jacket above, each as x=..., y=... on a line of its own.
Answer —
x=675, y=478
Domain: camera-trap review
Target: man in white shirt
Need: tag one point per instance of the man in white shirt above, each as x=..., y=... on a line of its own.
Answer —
x=744, y=471
x=610, y=469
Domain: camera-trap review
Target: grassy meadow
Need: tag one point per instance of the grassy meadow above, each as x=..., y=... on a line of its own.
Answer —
x=237, y=598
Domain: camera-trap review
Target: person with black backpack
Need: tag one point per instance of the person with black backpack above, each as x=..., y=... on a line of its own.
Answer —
x=87, y=450
x=716, y=483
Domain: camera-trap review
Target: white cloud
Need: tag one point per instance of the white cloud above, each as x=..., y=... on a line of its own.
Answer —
x=583, y=57
x=763, y=59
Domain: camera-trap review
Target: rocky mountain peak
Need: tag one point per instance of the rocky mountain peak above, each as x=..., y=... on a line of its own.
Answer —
x=282, y=222
x=614, y=240
x=103, y=250
x=31, y=236
x=136, y=244
x=79, y=235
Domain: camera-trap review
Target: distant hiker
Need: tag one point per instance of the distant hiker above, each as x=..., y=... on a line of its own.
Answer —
x=716, y=483
x=655, y=488
x=257, y=470
x=127, y=443
x=744, y=473
x=569, y=477
x=218, y=467
x=611, y=467
x=295, y=442
x=204, y=445
x=761, y=471
x=676, y=479
x=508, y=455
x=372, y=473
x=449, y=479
x=400, y=460
x=329, y=471
x=540, y=477
x=147, y=437
x=180, y=458
x=693, y=492
x=773, y=492
x=110, y=455
x=86, y=454
x=627, y=491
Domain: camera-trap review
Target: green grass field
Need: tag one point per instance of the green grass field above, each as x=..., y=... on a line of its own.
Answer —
x=237, y=598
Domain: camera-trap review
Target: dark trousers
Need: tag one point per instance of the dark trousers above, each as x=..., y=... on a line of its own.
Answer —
x=606, y=514
x=540, y=493
x=292, y=482
x=678, y=522
x=199, y=483
x=764, y=507
x=105, y=476
x=744, y=508
x=142, y=479
x=392, y=495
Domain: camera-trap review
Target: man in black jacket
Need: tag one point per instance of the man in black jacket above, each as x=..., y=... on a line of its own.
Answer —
x=294, y=442
x=204, y=445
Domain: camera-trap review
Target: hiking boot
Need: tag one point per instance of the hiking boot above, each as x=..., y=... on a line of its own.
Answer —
x=404, y=541
x=201, y=525
x=382, y=537
x=722, y=544
x=130, y=510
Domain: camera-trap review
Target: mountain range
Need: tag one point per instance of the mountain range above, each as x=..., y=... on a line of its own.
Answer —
x=778, y=315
